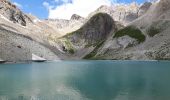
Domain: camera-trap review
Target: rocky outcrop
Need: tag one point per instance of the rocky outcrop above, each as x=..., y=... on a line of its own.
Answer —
x=154, y=25
x=93, y=33
x=96, y=29
x=12, y=13
x=37, y=58
x=129, y=17
x=144, y=8
x=76, y=17
x=126, y=41
x=122, y=13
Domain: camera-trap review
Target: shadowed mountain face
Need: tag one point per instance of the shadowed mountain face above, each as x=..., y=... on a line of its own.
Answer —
x=96, y=29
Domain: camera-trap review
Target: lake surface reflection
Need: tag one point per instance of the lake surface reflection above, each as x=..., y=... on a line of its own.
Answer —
x=86, y=80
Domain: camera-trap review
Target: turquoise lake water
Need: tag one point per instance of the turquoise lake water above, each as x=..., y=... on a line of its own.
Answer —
x=86, y=80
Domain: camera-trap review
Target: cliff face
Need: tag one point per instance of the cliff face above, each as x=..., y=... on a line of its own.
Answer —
x=121, y=13
x=153, y=26
x=22, y=35
x=96, y=29
x=124, y=13
x=93, y=32
x=11, y=12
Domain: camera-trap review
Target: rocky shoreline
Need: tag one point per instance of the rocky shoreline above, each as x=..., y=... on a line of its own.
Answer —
x=28, y=61
x=47, y=61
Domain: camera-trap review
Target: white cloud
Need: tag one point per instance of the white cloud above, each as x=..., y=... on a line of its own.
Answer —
x=18, y=5
x=46, y=5
x=64, y=1
x=80, y=7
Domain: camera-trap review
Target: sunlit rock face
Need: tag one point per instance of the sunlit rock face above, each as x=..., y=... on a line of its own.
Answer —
x=124, y=13
x=11, y=12
x=144, y=8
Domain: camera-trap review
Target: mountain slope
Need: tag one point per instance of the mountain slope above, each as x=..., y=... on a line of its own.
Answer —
x=124, y=13
x=11, y=12
x=136, y=32
x=16, y=47
x=23, y=35
x=64, y=26
x=154, y=25
x=93, y=32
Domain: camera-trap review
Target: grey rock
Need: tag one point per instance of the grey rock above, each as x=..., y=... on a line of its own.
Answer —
x=76, y=17
x=144, y=8
x=11, y=12
x=126, y=41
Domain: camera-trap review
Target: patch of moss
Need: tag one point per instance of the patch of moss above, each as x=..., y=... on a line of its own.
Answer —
x=94, y=52
x=152, y=31
x=131, y=31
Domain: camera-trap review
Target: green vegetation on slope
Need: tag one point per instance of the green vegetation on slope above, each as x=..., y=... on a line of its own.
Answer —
x=131, y=31
x=68, y=46
x=94, y=52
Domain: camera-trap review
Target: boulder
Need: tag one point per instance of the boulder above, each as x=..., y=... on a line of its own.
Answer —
x=2, y=61
x=37, y=58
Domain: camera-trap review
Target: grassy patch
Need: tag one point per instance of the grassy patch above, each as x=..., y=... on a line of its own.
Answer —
x=94, y=52
x=68, y=45
x=131, y=31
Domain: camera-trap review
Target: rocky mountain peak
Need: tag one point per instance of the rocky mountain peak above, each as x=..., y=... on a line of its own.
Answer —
x=123, y=13
x=76, y=17
x=97, y=28
x=104, y=8
x=12, y=13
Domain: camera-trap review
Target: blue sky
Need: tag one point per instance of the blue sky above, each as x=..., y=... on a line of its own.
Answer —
x=37, y=8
